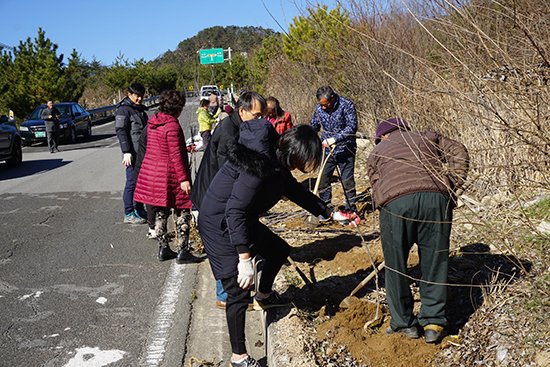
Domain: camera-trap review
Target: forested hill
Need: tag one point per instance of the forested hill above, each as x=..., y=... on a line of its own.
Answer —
x=240, y=39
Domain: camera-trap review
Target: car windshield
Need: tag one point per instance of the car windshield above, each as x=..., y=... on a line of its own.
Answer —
x=64, y=110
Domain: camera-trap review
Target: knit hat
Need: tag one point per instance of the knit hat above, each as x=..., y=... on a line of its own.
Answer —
x=228, y=109
x=388, y=126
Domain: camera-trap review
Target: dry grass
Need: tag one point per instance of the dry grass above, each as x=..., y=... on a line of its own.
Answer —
x=476, y=71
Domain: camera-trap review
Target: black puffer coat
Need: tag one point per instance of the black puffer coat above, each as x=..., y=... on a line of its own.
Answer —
x=249, y=183
x=130, y=120
x=215, y=155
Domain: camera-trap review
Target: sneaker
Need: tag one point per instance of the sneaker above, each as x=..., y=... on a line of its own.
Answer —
x=248, y=361
x=323, y=219
x=141, y=213
x=152, y=234
x=409, y=332
x=346, y=217
x=132, y=218
x=222, y=304
x=273, y=300
x=433, y=333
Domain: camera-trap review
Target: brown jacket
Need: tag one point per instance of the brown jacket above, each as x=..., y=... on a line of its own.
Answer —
x=408, y=162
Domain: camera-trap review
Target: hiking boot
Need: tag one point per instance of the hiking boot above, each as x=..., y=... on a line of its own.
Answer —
x=273, y=300
x=248, y=361
x=133, y=218
x=409, y=332
x=346, y=217
x=433, y=333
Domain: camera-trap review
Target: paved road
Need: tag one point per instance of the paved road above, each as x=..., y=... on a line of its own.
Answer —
x=78, y=287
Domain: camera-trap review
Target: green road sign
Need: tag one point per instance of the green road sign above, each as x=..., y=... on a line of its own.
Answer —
x=211, y=56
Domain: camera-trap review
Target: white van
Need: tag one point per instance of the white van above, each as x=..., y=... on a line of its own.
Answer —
x=207, y=89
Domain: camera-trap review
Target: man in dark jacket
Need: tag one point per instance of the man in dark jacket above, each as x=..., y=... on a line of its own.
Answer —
x=51, y=115
x=250, y=105
x=130, y=120
x=414, y=177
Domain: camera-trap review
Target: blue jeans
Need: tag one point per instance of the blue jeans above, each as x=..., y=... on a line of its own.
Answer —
x=128, y=193
x=221, y=295
x=346, y=164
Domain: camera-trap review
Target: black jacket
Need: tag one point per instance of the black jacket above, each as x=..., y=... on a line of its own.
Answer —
x=215, y=155
x=130, y=120
x=249, y=183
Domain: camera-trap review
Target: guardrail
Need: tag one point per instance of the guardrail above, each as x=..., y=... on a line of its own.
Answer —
x=105, y=112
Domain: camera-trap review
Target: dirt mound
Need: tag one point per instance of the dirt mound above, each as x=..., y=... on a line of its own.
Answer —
x=371, y=345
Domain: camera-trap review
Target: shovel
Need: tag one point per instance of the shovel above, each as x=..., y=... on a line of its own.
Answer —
x=311, y=220
x=346, y=302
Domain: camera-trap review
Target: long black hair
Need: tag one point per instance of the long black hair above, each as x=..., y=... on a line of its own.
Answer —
x=300, y=148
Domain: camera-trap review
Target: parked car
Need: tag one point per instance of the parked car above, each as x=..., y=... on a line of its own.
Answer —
x=10, y=143
x=74, y=121
x=207, y=89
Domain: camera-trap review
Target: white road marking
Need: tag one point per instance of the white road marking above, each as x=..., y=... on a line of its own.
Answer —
x=94, y=357
x=164, y=316
x=101, y=300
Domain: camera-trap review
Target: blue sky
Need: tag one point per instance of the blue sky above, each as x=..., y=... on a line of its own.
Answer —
x=136, y=29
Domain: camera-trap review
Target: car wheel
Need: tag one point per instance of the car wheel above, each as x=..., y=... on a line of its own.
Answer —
x=16, y=155
x=72, y=137
x=88, y=132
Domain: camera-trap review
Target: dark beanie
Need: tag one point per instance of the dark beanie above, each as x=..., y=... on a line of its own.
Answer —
x=388, y=126
x=228, y=109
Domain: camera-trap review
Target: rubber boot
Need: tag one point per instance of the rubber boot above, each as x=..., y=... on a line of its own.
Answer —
x=166, y=254
x=186, y=257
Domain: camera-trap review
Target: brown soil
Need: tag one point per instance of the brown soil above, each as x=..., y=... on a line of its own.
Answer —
x=332, y=260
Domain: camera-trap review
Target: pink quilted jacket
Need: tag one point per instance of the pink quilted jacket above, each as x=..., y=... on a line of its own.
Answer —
x=165, y=165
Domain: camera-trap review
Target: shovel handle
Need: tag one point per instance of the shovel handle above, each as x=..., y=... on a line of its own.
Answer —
x=323, y=164
x=368, y=278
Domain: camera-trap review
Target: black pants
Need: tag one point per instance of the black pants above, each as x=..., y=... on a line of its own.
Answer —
x=274, y=251
x=52, y=134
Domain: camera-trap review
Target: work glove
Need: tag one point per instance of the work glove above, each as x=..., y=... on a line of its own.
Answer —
x=328, y=142
x=127, y=159
x=346, y=217
x=246, y=273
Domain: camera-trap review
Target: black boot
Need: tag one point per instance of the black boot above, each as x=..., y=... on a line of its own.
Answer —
x=166, y=254
x=185, y=257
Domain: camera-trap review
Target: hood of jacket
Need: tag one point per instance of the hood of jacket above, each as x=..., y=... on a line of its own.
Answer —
x=126, y=101
x=255, y=151
x=160, y=119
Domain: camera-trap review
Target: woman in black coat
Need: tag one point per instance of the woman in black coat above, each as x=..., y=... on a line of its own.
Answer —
x=255, y=177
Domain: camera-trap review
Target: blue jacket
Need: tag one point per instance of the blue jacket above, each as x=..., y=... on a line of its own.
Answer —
x=340, y=124
x=249, y=183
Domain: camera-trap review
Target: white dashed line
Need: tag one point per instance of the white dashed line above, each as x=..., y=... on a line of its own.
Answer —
x=164, y=316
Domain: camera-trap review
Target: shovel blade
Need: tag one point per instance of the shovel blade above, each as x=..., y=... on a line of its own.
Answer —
x=311, y=221
x=346, y=302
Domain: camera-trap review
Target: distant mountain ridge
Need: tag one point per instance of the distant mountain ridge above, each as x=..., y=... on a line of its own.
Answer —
x=240, y=39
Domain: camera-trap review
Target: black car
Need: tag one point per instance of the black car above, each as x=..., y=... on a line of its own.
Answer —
x=74, y=121
x=10, y=143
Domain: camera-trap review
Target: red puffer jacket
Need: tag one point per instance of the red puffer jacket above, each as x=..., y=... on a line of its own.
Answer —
x=165, y=165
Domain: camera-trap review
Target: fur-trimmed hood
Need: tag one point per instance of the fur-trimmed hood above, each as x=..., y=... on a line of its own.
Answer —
x=255, y=152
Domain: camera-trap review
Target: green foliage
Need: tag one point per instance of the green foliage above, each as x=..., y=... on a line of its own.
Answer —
x=540, y=210
x=271, y=48
x=314, y=37
x=34, y=73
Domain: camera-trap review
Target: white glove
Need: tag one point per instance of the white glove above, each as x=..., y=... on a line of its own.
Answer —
x=246, y=273
x=328, y=142
x=127, y=159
